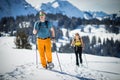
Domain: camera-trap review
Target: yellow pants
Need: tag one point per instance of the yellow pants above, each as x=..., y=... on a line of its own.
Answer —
x=44, y=48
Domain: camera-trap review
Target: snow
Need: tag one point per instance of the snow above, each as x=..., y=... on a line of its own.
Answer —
x=64, y=31
x=20, y=64
x=15, y=8
x=55, y=5
x=98, y=31
x=65, y=7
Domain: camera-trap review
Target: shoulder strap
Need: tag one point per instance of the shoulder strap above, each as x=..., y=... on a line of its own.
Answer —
x=39, y=24
x=46, y=23
x=75, y=39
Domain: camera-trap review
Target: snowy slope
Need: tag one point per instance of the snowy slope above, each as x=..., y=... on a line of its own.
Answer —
x=98, y=31
x=97, y=15
x=20, y=64
x=15, y=8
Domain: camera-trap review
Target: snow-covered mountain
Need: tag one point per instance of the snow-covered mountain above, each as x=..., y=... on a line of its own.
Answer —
x=98, y=15
x=66, y=8
x=15, y=7
x=21, y=7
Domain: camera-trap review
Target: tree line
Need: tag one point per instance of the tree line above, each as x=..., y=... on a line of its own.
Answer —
x=9, y=24
x=107, y=48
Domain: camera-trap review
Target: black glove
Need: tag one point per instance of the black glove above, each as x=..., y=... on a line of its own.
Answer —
x=53, y=39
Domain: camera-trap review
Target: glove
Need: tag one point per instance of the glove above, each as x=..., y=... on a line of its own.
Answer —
x=53, y=39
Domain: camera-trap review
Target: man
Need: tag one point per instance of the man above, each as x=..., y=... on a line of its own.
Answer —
x=43, y=28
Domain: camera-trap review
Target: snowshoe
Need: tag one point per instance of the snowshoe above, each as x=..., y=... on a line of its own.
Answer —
x=50, y=65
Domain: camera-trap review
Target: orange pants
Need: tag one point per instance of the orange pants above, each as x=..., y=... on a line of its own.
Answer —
x=44, y=48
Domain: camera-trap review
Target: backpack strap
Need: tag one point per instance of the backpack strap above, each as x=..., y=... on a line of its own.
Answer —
x=75, y=39
x=46, y=24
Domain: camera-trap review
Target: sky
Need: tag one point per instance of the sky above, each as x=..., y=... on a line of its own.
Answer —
x=108, y=6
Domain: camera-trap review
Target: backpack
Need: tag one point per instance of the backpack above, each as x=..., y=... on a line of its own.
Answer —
x=78, y=43
x=39, y=24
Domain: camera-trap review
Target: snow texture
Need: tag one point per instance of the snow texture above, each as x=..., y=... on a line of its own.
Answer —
x=20, y=64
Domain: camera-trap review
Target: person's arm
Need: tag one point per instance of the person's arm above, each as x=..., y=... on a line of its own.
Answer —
x=82, y=43
x=52, y=32
x=34, y=31
x=35, y=28
x=72, y=44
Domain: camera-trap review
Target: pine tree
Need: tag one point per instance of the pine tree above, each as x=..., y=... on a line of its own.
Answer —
x=21, y=40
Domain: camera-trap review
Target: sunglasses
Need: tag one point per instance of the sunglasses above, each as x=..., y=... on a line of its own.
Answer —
x=42, y=14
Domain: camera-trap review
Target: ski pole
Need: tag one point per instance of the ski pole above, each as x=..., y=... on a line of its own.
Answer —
x=59, y=62
x=86, y=60
x=57, y=57
x=36, y=53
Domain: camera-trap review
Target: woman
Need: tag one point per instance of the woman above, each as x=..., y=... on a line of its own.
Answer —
x=78, y=45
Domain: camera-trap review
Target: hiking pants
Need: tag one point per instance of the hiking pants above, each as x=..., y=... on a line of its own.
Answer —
x=78, y=54
x=44, y=48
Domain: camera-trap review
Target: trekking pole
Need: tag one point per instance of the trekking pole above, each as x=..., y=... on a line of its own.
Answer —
x=57, y=57
x=59, y=62
x=36, y=54
x=86, y=60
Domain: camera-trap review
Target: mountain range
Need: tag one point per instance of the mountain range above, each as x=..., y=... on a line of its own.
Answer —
x=66, y=8
x=21, y=7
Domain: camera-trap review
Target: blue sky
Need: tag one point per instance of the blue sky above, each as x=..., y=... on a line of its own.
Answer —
x=108, y=6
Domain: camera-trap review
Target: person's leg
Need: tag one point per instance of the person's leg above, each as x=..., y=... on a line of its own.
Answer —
x=80, y=54
x=41, y=49
x=48, y=50
x=76, y=55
